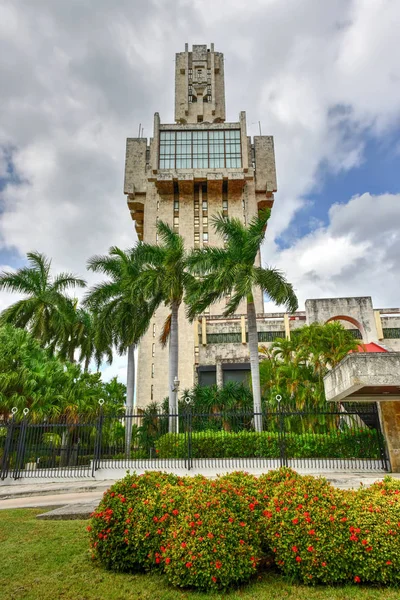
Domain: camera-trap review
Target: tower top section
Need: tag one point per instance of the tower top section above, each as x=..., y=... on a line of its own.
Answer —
x=199, y=85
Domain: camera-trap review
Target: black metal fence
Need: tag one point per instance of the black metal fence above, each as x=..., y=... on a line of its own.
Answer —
x=339, y=437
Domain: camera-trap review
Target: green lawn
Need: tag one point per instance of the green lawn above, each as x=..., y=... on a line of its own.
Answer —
x=48, y=560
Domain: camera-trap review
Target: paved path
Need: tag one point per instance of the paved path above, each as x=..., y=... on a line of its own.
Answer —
x=51, y=500
x=42, y=493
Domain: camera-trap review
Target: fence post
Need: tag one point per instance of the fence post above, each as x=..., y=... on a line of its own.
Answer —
x=8, y=445
x=21, y=445
x=99, y=433
x=188, y=414
x=282, y=449
x=381, y=439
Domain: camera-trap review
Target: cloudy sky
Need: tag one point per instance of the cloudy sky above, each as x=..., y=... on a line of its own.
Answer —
x=77, y=78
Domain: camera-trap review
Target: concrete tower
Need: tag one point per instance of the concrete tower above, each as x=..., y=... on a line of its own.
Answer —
x=190, y=170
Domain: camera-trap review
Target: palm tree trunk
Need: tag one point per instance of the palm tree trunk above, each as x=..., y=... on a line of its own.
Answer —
x=173, y=369
x=130, y=393
x=87, y=362
x=254, y=361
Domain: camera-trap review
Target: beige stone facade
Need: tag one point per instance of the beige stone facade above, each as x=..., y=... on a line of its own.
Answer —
x=185, y=173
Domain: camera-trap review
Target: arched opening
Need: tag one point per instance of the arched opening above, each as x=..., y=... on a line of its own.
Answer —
x=357, y=325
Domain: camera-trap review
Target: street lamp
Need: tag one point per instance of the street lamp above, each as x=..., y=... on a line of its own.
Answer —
x=175, y=386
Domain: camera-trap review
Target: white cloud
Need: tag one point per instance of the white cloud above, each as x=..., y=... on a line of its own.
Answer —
x=356, y=254
x=76, y=81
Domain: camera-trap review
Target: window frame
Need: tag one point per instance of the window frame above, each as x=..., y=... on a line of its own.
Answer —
x=200, y=149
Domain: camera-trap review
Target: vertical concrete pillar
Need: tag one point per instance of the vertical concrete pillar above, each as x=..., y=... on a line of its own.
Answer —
x=378, y=323
x=219, y=374
x=204, y=331
x=390, y=419
x=287, y=326
x=243, y=328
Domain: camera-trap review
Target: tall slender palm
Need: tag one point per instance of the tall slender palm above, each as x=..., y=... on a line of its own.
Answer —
x=164, y=279
x=44, y=303
x=122, y=313
x=231, y=271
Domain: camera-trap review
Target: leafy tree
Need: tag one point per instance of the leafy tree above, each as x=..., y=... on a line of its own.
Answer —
x=295, y=368
x=44, y=306
x=231, y=271
x=122, y=312
x=30, y=377
x=164, y=279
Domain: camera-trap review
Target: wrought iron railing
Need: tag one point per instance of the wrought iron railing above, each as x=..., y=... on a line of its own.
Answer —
x=335, y=437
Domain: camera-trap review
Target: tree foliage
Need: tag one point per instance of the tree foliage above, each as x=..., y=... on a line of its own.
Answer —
x=295, y=368
x=30, y=377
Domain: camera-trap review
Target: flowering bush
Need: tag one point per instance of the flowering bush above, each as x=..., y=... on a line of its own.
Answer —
x=130, y=524
x=215, y=541
x=212, y=534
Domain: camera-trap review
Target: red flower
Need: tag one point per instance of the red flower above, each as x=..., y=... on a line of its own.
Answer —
x=183, y=545
x=267, y=514
x=188, y=565
x=241, y=542
x=196, y=516
x=295, y=549
x=310, y=549
x=298, y=558
x=311, y=532
x=175, y=512
x=88, y=528
x=158, y=560
x=167, y=560
x=295, y=521
x=364, y=542
x=230, y=520
x=353, y=538
x=323, y=564
x=210, y=535
x=331, y=518
x=343, y=519
x=251, y=506
x=155, y=519
x=388, y=562
x=242, y=524
x=218, y=564
x=357, y=579
x=214, y=578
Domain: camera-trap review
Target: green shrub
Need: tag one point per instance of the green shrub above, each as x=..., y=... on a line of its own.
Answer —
x=250, y=444
x=213, y=534
x=320, y=534
x=214, y=542
x=130, y=524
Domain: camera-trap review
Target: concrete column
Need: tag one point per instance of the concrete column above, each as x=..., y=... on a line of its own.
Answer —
x=196, y=332
x=287, y=326
x=219, y=374
x=378, y=323
x=390, y=419
x=243, y=328
x=204, y=331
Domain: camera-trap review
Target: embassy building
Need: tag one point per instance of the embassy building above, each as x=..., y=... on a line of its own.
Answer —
x=188, y=171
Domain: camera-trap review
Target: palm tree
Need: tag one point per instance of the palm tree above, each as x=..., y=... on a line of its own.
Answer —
x=164, y=279
x=44, y=304
x=78, y=331
x=231, y=271
x=122, y=313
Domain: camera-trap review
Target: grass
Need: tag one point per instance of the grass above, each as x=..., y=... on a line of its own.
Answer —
x=49, y=560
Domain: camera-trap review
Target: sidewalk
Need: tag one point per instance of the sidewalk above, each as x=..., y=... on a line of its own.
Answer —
x=42, y=493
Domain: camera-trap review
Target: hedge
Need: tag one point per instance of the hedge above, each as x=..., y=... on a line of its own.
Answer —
x=362, y=443
x=213, y=534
